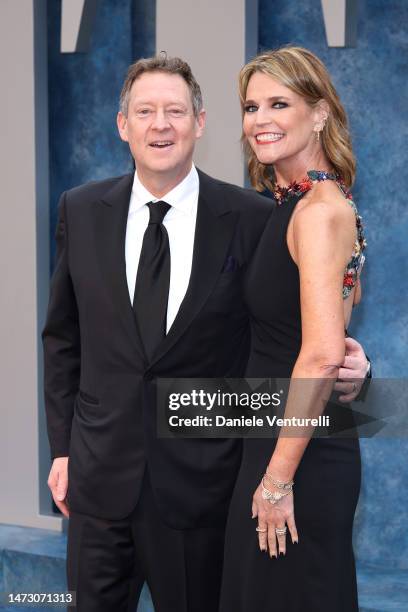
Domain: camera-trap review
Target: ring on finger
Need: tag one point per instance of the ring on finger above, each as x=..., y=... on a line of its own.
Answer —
x=281, y=531
x=260, y=530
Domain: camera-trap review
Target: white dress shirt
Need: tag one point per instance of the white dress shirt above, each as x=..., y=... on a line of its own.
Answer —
x=180, y=224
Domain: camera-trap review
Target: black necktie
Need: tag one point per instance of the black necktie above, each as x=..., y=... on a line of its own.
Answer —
x=153, y=279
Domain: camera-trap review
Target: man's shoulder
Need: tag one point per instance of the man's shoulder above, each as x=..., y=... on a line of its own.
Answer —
x=94, y=190
x=238, y=198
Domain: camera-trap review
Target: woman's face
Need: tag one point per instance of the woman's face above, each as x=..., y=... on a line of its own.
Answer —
x=278, y=124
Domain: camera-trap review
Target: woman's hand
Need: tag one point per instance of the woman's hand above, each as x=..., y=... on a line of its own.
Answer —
x=271, y=517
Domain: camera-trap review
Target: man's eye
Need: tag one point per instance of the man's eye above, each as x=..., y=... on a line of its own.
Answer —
x=250, y=108
x=176, y=112
x=143, y=111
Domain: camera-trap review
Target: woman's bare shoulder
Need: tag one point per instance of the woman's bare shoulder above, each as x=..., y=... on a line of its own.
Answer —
x=326, y=204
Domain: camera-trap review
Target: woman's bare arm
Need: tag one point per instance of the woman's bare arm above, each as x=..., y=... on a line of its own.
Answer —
x=321, y=242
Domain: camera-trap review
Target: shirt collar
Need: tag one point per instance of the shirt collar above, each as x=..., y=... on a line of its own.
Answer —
x=181, y=197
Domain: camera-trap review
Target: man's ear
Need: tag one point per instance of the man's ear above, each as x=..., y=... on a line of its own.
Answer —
x=121, y=121
x=200, y=123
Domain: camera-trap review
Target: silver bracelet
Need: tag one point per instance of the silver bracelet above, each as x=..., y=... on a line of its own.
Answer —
x=272, y=496
x=285, y=486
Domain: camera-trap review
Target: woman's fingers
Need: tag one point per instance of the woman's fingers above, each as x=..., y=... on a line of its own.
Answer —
x=280, y=531
x=290, y=521
x=262, y=530
x=273, y=523
x=273, y=550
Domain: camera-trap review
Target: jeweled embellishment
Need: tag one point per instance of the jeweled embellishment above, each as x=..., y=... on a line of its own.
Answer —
x=281, y=194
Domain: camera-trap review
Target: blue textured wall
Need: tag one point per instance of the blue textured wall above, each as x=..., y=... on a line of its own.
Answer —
x=84, y=91
x=372, y=81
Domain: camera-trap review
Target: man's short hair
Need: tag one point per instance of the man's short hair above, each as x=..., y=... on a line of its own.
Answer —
x=161, y=63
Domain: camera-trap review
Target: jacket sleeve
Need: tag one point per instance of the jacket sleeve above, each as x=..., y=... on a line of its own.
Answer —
x=361, y=397
x=61, y=342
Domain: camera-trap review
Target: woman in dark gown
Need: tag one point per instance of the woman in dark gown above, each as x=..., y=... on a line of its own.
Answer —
x=300, y=289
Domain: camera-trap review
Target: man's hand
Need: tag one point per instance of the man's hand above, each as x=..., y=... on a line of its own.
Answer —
x=58, y=483
x=353, y=371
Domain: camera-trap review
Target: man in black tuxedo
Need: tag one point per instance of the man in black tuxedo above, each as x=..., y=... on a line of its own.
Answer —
x=142, y=508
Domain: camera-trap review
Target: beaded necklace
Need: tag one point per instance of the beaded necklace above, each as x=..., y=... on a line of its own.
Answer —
x=282, y=194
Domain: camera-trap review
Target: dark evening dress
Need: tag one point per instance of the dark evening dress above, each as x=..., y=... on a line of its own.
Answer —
x=317, y=574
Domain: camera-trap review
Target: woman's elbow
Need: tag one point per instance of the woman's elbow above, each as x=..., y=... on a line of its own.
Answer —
x=325, y=364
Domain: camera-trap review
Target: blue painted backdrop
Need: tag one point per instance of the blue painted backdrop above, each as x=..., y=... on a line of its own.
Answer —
x=372, y=81
x=84, y=91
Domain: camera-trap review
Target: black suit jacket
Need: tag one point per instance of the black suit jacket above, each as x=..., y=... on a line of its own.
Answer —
x=99, y=386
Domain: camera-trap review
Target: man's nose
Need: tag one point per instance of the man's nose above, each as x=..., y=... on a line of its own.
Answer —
x=160, y=120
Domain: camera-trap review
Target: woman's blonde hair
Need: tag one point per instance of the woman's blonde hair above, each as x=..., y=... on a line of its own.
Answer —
x=302, y=72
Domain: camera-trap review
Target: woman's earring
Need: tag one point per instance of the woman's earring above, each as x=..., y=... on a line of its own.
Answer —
x=319, y=128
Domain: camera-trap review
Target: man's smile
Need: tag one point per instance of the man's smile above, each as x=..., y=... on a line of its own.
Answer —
x=161, y=144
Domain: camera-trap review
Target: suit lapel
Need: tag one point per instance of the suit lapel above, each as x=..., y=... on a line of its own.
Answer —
x=215, y=226
x=111, y=215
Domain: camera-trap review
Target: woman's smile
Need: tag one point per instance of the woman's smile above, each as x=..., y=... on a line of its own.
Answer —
x=268, y=137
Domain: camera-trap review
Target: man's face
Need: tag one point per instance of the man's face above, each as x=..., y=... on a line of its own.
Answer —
x=160, y=126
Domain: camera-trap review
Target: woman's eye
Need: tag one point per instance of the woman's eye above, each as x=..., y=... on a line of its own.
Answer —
x=279, y=105
x=250, y=108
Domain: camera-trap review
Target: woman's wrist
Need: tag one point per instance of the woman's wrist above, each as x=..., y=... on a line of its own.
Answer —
x=281, y=468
